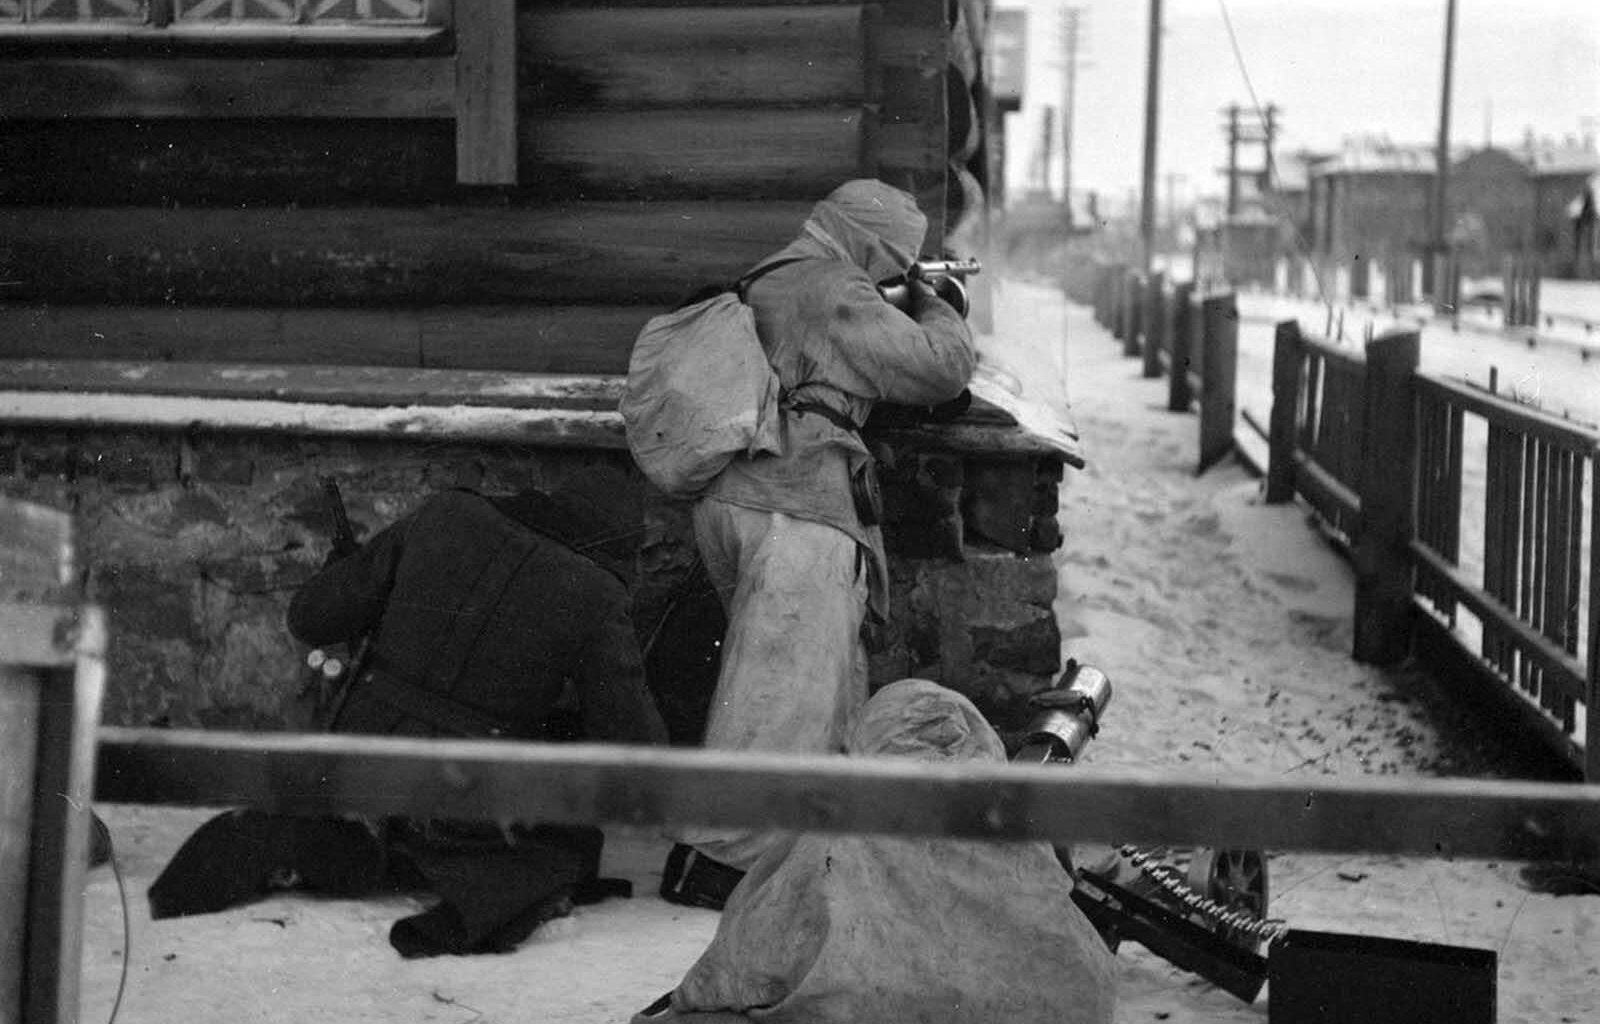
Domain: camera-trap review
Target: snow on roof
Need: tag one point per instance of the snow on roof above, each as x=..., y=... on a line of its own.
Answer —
x=1369, y=155
x=1562, y=160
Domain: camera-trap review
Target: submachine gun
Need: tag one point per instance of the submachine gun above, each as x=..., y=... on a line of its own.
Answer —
x=1208, y=918
x=947, y=278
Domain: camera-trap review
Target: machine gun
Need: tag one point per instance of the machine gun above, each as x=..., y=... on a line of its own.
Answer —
x=947, y=278
x=1210, y=920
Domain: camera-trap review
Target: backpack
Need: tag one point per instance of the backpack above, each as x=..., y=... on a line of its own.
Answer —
x=700, y=391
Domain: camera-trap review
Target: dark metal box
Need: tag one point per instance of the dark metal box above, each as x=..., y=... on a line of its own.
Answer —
x=1331, y=978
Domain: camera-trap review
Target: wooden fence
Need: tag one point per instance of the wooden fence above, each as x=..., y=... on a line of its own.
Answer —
x=1520, y=290
x=1187, y=336
x=1383, y=453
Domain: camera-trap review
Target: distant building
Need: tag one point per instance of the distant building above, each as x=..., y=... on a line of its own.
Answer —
x=1371, y=201
x=1491, y=209
x=1375, y=200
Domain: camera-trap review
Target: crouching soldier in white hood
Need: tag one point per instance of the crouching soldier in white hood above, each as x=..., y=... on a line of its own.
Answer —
x=845, y=929
x=791, y=540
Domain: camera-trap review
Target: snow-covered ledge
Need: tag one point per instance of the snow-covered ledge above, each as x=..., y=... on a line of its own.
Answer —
x=465, y=405
x=398, y=402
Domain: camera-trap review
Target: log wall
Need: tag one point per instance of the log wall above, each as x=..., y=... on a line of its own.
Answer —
x=205, y=197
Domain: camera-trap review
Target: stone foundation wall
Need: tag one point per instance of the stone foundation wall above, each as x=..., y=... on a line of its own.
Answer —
x=194, y=542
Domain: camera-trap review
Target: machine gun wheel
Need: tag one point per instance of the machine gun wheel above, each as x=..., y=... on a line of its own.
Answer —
x=1234, y=878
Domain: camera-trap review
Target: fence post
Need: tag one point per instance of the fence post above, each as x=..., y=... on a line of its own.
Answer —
x=1119, y=285
x=1219, y=345
x=1285, y=411
x=1535, y=281
x=1133, y=306
x=1591, y=750
x=1180, y=353
x=1387, y=481
x=1360, y=277
x=1155, y=323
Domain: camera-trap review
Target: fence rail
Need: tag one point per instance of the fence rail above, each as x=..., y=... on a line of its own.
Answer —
x=496, y=779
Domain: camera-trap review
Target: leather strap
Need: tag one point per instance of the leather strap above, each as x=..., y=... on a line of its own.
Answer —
x=434, y=708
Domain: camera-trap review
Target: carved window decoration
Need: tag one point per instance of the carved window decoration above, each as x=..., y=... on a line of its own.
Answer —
x=316, y=12
x=120, y=14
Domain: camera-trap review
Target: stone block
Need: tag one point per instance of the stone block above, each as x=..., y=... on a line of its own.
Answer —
x=49, y=456
x=998, y=502
x=146, y=601
x=970, y=623
x=209, y=461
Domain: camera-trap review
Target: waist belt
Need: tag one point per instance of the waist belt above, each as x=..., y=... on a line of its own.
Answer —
x=864, y=491
x=832, y=415
x=434, y=708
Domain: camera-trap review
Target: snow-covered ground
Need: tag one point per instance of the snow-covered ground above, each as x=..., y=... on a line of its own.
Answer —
x=1224, y=625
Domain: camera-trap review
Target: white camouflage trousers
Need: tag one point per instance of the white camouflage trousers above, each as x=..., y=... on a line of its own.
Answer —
x=794, y=669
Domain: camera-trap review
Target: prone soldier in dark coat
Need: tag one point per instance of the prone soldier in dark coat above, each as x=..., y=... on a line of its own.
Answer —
x=485, y=617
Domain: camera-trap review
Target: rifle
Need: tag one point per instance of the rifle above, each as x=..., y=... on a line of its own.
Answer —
x=343, y=536
x=334, y=676
x=947, y=278
x=1207, y=922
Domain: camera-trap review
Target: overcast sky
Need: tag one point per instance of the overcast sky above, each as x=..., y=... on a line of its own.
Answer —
x=1333, y=67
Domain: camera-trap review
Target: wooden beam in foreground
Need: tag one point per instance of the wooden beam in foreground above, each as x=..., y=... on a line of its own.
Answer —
x=637, y=786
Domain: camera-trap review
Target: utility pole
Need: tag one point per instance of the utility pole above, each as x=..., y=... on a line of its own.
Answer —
x=1152, y=95
x=1043, y=159
x=1070, y=17
x=1232, y=111
x=1441, y=178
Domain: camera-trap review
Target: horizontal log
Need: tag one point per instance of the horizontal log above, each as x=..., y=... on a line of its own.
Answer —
x=606, y=58
x=659, y=154
x=533, y=339
x=207, y=87
x=494, y=780
x=739, y=153
x=529, y=339
x=1325, y=491
x=542, y=427
x=328, y=385
x=227, y=162
x=601, y=253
